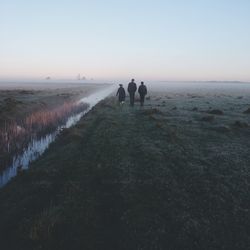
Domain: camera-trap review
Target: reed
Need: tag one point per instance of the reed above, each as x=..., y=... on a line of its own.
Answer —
x=15, y=135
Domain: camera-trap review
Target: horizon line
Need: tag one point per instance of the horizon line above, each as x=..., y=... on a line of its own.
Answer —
x=109, y=80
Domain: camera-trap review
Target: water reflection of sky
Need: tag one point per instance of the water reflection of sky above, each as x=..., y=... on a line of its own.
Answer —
x=37, y=147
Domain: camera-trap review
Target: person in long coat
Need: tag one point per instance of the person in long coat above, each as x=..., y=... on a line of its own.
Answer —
x=142, y=92
x=121, y=94
x=131, y=90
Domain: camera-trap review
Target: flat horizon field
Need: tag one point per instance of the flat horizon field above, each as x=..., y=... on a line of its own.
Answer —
x=173, y=174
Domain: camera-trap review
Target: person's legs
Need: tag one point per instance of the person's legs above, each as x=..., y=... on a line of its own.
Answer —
x=122, y=101
x=132, y=99
x=142, y=97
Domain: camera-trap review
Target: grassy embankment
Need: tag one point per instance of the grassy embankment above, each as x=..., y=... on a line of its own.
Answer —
x=129, y=178
x=29, y=114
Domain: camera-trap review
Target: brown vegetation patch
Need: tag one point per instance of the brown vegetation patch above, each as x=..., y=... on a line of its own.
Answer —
x=215, y=112
x=208, y=118
x=240, y=124
x=151, y=111
x=247, y=111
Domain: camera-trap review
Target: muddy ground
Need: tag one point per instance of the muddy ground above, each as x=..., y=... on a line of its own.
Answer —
x=172, y=175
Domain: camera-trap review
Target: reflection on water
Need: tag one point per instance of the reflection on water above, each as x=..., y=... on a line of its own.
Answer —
x=37, y=147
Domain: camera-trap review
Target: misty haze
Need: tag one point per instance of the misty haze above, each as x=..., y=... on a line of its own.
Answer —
x=124, y=125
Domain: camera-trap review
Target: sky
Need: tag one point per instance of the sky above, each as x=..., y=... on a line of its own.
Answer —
x=172, y=40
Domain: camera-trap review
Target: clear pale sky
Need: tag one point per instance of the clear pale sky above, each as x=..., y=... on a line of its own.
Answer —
x=104, y=39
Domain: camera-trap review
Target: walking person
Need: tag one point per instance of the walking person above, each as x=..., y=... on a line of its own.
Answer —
x=121, y=94
x=131, y=90
x=142, y=92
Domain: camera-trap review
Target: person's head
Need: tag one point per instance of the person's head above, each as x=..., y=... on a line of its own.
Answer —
x=120, y=85
x=132, y=80
x=142, y=83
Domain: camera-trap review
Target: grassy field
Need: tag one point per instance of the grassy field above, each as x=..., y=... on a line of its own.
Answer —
x=160, y=177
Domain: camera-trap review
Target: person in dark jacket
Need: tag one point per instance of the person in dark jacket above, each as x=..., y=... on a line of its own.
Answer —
x=131, y=90
x=121, y=94
x=142, y=92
